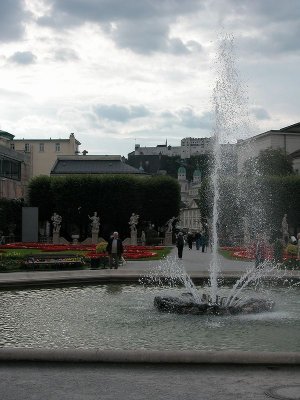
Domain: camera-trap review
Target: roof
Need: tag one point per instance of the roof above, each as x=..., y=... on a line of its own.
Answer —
x=197, y=172
x=7, y=135
x=12, y=154
x=291, y=129
x=74, y=165
x=181, y=170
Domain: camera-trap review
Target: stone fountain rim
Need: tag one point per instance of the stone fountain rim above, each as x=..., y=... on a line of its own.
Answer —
x=149, y=356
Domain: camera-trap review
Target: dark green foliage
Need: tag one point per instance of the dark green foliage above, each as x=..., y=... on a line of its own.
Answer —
x=269, y=162
x=155, y=163
x=114, y=198
x=263, y=200
x=11, y=217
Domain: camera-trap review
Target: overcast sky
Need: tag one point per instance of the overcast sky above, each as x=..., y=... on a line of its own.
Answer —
x=119, y=72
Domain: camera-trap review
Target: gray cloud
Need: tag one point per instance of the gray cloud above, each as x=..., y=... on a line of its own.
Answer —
x=120, y=113
x=64, y=55
x=265, y=27
x=187, y=118
x=142, y=26
x=23, y=58
x=260, y=113
x=12, y=17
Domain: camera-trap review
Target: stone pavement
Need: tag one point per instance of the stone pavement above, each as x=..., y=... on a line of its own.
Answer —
x=195, y=262
x=57, y=381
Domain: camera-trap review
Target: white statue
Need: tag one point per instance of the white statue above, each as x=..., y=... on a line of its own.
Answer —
x=133, y=221
x=95, y=222
x=169, y=224
x=56, y=222
x=143, y=238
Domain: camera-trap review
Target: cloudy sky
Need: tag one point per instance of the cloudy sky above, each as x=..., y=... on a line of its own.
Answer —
x=119, y=72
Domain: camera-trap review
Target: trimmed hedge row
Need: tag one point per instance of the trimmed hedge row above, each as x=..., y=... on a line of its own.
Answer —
x=115, y=198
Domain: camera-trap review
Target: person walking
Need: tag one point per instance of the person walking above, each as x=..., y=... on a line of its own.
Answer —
x=190, y=238
x=115, y=250
x=180, y=244
x=198, y=237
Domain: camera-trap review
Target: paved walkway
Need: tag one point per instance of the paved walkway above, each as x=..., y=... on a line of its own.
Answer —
x=195, y=262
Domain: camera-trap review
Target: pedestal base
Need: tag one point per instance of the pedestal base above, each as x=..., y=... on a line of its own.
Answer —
x=168, y=239
x=133, y=239
x=56, y=238
x=95, y=238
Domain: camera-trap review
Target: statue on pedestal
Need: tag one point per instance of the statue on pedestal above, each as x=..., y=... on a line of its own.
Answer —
x=56, y=222
x=133, y=221
x=169, y=225
x=95, y=224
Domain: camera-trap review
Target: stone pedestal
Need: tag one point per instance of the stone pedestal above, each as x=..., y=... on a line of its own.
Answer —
x=56, y=238
x=168, y=239
x=133, y=239
x=75, y=239
x=95, y=238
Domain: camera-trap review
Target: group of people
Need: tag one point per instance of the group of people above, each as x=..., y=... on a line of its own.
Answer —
x=201, y=240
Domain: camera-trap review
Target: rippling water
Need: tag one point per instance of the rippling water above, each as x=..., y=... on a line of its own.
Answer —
x=123, y=317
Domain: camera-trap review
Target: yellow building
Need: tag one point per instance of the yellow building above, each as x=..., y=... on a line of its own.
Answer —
x=43, y=153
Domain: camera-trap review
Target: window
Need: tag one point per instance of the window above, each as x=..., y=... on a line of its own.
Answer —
x=42, y=147
x=10, y=168
x=27, y=148
x=12, y=146
x=57, y=147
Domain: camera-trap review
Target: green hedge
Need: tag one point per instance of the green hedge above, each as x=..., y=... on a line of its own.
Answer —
x=263, y=200
x=115, y=198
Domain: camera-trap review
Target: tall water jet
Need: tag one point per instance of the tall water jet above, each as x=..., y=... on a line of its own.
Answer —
x=231, y=122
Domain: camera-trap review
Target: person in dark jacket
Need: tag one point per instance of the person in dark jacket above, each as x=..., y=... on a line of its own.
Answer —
x=190, y=238
x=115, y=250
x=180, y=244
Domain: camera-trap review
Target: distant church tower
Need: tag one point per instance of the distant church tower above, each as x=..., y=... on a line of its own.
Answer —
x=184, y=185
x=197, y=175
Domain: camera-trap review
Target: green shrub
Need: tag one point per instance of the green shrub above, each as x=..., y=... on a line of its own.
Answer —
x=292, y=249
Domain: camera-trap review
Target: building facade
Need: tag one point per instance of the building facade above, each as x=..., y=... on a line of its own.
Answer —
x=188, y=147
x=14, y=169
x=44, y=152
x=286, y=139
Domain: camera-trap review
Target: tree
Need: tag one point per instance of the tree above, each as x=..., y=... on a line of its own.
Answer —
x=269, y=162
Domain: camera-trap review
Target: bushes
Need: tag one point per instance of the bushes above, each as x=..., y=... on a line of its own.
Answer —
x=115, y=198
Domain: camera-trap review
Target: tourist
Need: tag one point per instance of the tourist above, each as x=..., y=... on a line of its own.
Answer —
x=190, y=239
x=198, y=238
x=180, y=244
x=115, y=250
x=204, y=242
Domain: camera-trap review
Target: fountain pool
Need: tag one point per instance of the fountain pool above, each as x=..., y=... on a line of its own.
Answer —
x=123, y=317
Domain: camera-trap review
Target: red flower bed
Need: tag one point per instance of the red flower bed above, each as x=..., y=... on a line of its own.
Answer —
x=130, y=252
x=249, y=253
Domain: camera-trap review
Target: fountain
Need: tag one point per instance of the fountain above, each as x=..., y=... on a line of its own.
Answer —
x=231, y=123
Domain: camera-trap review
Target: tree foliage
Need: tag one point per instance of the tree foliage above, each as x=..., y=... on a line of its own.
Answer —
x=263, y=201
x=269, y=162
x=114, y=198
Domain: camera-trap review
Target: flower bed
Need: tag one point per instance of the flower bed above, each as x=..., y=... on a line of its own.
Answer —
x=130, y=252
x=249, y=253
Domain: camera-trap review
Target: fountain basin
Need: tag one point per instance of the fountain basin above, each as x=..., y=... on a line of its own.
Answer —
x=182, y=305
